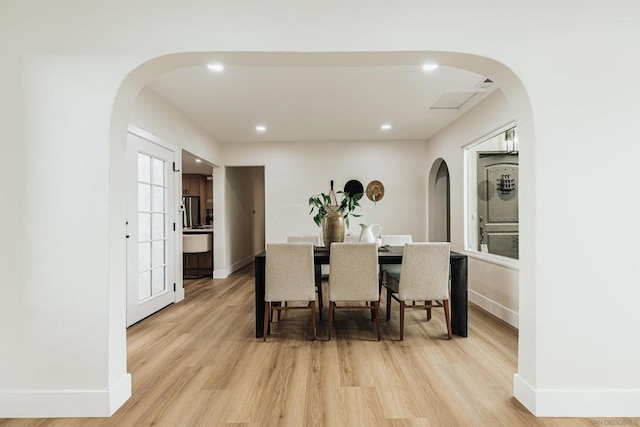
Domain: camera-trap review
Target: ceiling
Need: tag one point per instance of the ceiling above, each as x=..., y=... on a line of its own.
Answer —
x=322, y=102
x=194, y=164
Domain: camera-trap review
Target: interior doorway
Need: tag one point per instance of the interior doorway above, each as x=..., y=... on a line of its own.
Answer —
x=439, y=203
x=245, y=210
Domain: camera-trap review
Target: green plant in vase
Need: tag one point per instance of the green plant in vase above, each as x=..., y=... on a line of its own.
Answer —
x=331, y=215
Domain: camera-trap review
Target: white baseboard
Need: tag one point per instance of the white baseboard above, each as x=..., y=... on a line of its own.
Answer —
x=525, y=394
x=220, y=274
x=498, y=310
x=242, y=263
x=121, y=391
x=179, y=296
x=609, y=403
x=64, y=403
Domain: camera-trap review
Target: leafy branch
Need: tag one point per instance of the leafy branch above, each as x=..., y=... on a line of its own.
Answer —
x=323, y=204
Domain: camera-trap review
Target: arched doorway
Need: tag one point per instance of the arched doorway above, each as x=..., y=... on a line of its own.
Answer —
x=444, y=175
x=439, y=202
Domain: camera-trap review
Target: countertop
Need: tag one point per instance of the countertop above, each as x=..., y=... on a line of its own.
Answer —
x=203, y=229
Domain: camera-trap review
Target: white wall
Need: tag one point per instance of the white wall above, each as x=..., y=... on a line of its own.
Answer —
x=569, y=69
x=244, y=205
x=153, y=114
x=295, y=171
x=493, y=286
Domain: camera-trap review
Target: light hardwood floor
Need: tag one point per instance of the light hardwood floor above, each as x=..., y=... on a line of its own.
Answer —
x=198, y=363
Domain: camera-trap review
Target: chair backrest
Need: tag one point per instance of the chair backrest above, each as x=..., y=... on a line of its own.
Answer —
x=354, y=272
x=396, y=239
x=307, y=238
x=289, y=272
x=425, y=271
x=197, y=243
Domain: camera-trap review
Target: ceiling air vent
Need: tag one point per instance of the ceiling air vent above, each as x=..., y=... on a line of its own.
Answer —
x=485, y=84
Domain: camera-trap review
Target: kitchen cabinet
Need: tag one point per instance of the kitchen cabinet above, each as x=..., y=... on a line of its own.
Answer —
x=191, y=185
x=201, y=186
x=209, y=193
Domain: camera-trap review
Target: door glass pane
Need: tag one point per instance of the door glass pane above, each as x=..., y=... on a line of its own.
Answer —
x=144, y=197
x=144, y=168
x=158, y=253
x=144, y=227
x=144, y=256
x=144, y=285
x=158, y=199
x=159, y=282
x=158, y=226
x=158, y=172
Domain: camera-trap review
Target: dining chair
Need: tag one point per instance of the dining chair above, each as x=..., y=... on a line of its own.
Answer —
x=393, y=240
x=354, y=278
x=305, y=238
x=289, y=277
x=316, y=241
x=424, y=276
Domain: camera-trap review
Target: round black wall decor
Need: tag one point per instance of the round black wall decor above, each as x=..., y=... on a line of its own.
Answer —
x=353, y=187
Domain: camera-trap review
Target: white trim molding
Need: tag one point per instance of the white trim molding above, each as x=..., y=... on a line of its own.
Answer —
x=220, y=273
x=611, y=403
x=65, y=403
x=498, y=310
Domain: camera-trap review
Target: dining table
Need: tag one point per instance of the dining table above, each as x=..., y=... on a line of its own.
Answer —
x=458, y=299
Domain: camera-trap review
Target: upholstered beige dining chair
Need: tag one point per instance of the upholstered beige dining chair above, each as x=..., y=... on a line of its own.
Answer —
x=424, y=276
x=305, y=238
x=316, y=241
x=354, y=278
x=396, y=239
x=289, y=277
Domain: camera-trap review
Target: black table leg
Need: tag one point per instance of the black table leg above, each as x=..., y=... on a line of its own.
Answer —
x=259, y=285
x=459, y=301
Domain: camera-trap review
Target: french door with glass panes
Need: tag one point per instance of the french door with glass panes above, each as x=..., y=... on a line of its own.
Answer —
x=150, y=229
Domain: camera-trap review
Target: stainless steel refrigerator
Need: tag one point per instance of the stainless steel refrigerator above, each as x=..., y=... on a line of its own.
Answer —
x=191, y=212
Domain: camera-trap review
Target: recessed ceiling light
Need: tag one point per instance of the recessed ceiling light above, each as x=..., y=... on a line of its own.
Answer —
x=216, y=67
x=261, y=128
x=198, y=161
x=385, y=126
x=429, y=67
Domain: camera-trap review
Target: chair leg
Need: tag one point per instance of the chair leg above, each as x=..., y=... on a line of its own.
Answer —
x=320, y=298
x=312, y=304
x=377, y=305
x=331, y=306
x=429, y=302
x=447, y=316
x=388, y=305
x=267, y=309
x=319, y=288
x=402, y=306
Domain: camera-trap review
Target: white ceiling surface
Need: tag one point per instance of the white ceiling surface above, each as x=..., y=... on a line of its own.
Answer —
x=321, y=103
x=191, y=165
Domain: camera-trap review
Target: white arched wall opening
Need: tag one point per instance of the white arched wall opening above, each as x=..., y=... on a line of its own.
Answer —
x=439, y=202
x=506, y=80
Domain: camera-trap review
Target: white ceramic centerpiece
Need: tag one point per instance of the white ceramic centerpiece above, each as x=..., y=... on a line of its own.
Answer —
x=370, y=233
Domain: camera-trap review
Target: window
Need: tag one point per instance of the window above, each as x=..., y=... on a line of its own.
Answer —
x=492, y=194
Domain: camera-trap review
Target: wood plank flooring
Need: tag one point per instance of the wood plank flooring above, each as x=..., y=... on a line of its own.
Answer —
x=198, y=363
